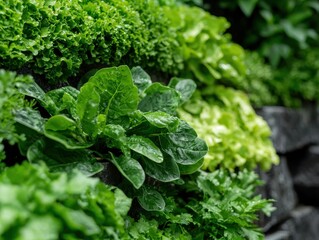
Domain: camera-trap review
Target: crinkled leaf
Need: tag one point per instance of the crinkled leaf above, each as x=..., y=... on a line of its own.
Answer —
x=118, y=94
x=87, y=107
x=166, y=171
x=141, y=79
x=64, y=130
x=150, y=199
x=145, y=147
x=159, y=98
x=185, y=87
x=130, y=168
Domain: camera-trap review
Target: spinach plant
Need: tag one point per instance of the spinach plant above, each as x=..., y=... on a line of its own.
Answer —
x=117, y=116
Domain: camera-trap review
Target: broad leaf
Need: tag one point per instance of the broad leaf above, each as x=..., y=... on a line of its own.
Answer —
x=130, y=168
x=190, y=169
x=146, y=147
x=58, y=158
x=166, y=171
x=151, y=200
x=162, y=120
x=64, y=130
x=87, y=107
x=30, y=119
x=183, y=145
x=118, y=94
x=141, y=79
x=64, y=101
x=160, y=98
x=185, y=87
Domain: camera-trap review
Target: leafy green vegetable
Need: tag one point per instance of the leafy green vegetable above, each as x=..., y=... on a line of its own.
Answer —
x=10, y=100
x=217, y=205
x=109, y=119
x=276, y=29
x=208, y=54
x=35, y=203
x=235, y=135
x=57, y=39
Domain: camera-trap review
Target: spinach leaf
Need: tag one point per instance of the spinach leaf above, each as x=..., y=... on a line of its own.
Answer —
x=117, y=92
x=159, y=98
x=130, y=168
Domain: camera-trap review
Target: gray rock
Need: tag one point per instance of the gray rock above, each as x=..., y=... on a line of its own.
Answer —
x=279, y=235
x=305, y=172
x=291, y=128
x=278, y=186
x=303, y=224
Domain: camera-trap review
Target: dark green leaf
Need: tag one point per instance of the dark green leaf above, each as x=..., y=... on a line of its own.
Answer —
x=186, y=87
x=183, y=145
x=160, y=98
x=151, y=200
x=30, y=118
x=166, y=171
x=141, y=79
x=130, y=168
x=162, y=120
x=145, y=147
x=118, y=94
x=190, y=169
x=87, y=107
x=60, y=159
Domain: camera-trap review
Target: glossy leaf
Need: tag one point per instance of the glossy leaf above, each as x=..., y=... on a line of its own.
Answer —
x=190, y=169
x=30, y=118
x=185, y=87
x=183, y=145
x=166, y=171
x=151, y=200
x=162, y=120
x=159, y=98
x=87, y=107
x=64, y=130
x=130, y=168
x=145, y=147
x=141, y=79
x=118, y=94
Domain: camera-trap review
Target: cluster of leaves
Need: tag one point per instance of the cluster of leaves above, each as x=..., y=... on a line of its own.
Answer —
x=56, y=38
x=276, y=28
x=208, y=53
x=291, y=85
x=38, y=204
x=235, y=135
x=10, y=99
x=217, y=205
x=298, y=81
x=111, y=119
